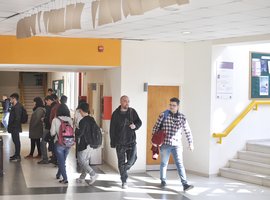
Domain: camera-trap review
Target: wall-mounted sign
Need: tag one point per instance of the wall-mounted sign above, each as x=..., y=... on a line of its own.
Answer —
x=224, y=81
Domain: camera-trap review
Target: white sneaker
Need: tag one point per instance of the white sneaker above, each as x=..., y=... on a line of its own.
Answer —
x=124, y=186
x=92, y=180
x=79, y=180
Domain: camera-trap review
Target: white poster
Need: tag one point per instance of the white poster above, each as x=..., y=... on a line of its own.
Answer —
x=224, y=80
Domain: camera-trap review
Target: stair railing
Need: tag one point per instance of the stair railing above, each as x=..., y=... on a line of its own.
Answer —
x=21, y=87
x=253, y=105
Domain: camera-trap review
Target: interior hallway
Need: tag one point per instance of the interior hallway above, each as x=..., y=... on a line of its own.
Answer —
x=28, y=180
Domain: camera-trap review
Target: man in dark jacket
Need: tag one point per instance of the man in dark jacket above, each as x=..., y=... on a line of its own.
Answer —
x=125, y=121
x=6, y=110
x=46, y=133
x=15, y=126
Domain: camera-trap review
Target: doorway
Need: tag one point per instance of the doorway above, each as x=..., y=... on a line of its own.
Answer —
x=158, y=101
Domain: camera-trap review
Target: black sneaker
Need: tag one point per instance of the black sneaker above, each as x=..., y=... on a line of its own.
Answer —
x=11, y=157
x=43, y=162
x=187, y=187
x=15, y=159
x=163, y=184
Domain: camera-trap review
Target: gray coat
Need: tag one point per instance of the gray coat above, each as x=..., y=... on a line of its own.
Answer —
x=36, y=125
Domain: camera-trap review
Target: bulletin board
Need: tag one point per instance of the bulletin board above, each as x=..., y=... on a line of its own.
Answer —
x=58, y=87
x=259, y=75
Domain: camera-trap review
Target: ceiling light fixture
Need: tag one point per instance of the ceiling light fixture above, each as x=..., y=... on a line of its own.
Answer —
x=186, y=32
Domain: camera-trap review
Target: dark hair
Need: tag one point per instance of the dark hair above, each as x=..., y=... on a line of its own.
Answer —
x=63, y=111
x=50, y=90
x=176, y=100
x=54, y=96
x=48, y=98
x=84, y=107
x=81, y=101
x=15, y=96
x=63, y=99
x=39, y=103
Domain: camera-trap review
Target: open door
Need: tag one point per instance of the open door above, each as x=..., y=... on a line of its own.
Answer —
x=158, y=101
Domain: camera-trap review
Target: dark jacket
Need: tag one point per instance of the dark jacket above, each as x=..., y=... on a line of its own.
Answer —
x=36, y=125
x=14, y=122
x=47, y=123
x=6, y=106
x=84, y=128
x=120, y=132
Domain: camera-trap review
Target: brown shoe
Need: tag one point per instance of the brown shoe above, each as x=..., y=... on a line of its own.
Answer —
x=28, y=157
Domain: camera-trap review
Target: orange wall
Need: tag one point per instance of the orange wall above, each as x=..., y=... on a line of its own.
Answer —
x=59, y=51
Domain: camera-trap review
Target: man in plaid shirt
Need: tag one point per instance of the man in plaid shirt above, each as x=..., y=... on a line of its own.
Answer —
x=174, y=125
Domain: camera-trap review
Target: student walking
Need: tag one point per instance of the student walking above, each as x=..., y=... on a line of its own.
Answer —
x=125, y=121
x=85, y=151
x=62, y=119
x=174, y=124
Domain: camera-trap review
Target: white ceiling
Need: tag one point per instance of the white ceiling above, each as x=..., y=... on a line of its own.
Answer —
x=205, y=19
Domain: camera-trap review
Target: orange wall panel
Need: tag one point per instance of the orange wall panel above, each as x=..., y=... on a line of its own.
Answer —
x=60, y=51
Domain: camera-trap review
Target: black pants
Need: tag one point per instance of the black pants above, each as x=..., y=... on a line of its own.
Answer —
x=16, y=140
x=34, y=143
x=127, y=156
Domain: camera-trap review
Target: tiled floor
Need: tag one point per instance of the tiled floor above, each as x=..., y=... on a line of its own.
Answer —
x=28, y=180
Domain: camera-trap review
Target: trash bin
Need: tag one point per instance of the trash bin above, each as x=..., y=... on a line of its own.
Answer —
x=1, y=156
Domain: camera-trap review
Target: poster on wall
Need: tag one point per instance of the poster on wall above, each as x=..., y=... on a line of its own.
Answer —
x=224, y=81
x=259, y=75
x=58, y=87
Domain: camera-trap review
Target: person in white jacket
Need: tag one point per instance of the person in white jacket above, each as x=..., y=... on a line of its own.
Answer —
x=60, y=150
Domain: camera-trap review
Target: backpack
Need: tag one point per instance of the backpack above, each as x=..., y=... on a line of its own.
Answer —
x=24, y=117
x=66, y=134
x=94, y=139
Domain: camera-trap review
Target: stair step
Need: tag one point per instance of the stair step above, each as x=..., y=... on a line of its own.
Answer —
x=254, y=156
x=245, y=176
x=260, y=146
x=250, y=166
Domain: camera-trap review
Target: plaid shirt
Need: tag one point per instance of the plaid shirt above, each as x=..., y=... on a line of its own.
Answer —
x=174, y=125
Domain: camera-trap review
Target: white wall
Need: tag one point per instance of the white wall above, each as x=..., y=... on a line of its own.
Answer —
x=156, y=63
x=9, y=83
x=111, y=80
x=255, y=126
x=197, y=103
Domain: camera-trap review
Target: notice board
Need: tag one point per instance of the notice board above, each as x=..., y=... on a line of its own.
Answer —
x=259, y=75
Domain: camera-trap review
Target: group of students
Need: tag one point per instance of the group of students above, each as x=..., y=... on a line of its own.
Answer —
x=125, y=121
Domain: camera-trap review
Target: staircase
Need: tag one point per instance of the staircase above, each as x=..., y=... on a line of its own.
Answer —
x=30, y=92
x=251, y=165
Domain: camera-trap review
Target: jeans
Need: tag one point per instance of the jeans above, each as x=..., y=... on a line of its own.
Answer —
x=176, y=151
x=5, y=119
x=35, y=142
x=84, y=158
x=16, y=140
x=127, y=156
x=44, y=152
x=61, y=154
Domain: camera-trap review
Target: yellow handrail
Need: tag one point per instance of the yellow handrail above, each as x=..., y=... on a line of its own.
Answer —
x=253, y=105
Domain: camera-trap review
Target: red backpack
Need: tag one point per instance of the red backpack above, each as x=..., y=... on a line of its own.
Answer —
x=66, y=134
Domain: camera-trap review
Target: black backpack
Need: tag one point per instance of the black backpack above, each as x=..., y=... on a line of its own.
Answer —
x=94, y=139
x=24, y=117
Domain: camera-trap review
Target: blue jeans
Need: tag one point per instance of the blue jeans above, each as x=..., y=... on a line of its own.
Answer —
x=165, y=152
x=5, y=119
x=61, y=154
x=127, y=156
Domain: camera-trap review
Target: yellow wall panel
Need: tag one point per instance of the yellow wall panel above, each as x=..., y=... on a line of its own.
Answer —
x=60, y=51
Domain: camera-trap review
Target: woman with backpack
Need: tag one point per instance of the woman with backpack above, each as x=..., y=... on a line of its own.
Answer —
x=62, y=131
x=36, y=127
